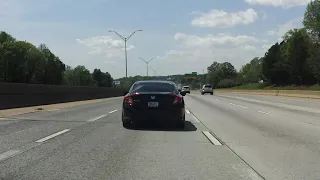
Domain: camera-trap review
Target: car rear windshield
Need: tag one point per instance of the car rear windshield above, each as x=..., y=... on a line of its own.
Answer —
x=208, y=86
x=153, y=87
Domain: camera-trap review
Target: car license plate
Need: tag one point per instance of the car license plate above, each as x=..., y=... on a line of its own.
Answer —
x=153, y=104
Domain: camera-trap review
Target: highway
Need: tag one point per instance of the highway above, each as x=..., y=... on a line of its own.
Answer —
x=226, y=136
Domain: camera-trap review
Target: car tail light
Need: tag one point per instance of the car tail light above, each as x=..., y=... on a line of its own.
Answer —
x=128, y=99
x=177, y=99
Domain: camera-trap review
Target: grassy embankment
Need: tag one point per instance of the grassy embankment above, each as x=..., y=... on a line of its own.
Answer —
x=263, y=86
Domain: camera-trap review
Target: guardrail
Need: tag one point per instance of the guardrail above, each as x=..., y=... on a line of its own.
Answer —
x=14, y=95
x=289, y=93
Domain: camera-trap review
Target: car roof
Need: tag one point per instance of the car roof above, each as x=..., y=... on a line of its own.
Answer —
x=185, y=86
x=155, y=81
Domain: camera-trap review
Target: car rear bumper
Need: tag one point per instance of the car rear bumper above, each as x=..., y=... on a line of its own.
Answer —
x=153, y=115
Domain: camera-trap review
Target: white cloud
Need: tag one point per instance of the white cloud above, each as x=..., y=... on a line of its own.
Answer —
x=279, y=3
x=223, y=19
x=200, y=51
x=282, y=29
x=209, y=40
x=271, y=33
x=104, y=45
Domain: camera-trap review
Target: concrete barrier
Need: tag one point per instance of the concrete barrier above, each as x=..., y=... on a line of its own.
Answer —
x=288, y=93
x=14, y=95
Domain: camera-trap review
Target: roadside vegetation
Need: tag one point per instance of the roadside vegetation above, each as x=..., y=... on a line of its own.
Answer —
x=22, y=62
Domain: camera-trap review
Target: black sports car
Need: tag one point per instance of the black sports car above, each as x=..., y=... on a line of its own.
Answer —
x=153, y=101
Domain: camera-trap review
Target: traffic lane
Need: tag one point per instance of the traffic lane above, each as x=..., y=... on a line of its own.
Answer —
x=103, y=149
x=300, y=117
x=19, y=130
x=303, y=102
x=75, y=113
x=283, y=106
x=272, y=145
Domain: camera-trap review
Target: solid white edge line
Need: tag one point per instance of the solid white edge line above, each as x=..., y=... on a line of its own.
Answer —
x=113, y=111
x=96, y=118
x=52, y=136
x=211, y=138
x=196, y=120
x=8, y=154
x=265, y=113
x=187, y=111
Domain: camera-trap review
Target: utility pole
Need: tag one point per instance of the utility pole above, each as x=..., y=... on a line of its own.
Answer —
x=147, y=62
x=125, y=39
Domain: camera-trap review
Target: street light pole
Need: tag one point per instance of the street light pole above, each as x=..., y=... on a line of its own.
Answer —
x=147, y=62
x=155, y=72
x=125, y=39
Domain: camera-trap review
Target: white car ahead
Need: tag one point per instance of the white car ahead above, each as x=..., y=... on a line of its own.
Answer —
x=207, y=88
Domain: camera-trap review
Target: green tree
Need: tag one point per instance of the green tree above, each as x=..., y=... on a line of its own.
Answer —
x=82, y=76
x=53, y=70
x=251, y=72
x=314, y=62
x=270, y=59
x=5, y=37
x=102, y=79
x=219, y=71
x=312, y=19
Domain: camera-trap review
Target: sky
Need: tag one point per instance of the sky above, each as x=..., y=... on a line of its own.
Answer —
x=183, y=35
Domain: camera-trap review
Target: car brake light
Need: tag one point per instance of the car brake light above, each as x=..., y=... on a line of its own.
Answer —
x=177, y=99
x=128, y=99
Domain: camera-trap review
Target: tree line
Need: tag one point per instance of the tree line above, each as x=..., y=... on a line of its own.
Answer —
x=22, y=62
x=293, y=61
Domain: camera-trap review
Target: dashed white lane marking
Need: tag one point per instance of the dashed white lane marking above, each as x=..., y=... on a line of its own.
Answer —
x=52, y=136
x=238, y=105
x=9, y=154
x=211, y=138
x=187, y=111
x=113, y=111
x=265, y=113
x=96, y=118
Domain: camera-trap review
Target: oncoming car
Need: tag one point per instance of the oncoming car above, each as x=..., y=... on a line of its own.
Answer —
x=153, y=101
x=207, y=88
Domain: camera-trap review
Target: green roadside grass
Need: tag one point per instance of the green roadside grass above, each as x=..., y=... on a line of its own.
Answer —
x=263, y=86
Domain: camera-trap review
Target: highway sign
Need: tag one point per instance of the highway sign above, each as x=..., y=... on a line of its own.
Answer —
x=193, y=75
x=116, y=82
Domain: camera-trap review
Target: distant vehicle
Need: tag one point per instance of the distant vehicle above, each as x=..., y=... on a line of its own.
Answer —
x=153, y=101
x=207, y=88
x=186, y=89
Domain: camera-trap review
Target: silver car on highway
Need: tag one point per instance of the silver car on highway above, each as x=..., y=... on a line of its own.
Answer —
x=207, y=88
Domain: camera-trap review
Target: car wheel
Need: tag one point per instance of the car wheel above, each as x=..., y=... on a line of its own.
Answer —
x=202, y=93
x=125, y=123
x=211, y=93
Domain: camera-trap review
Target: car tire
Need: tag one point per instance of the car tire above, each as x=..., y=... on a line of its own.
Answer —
x=202, y=93
x=125, y=124
x=211, y=93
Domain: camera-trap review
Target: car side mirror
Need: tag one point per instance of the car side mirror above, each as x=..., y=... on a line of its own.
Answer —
x=183, y=93
x=125, y=93
x=179, y=90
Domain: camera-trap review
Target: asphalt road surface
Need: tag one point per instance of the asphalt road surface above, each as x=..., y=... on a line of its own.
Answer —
x=226, y=136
